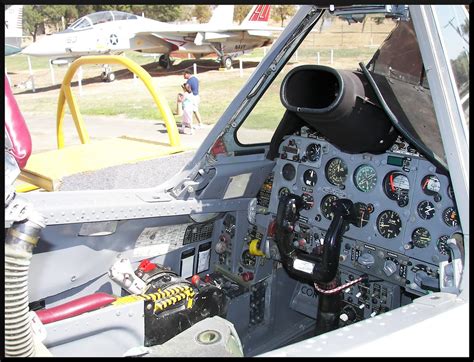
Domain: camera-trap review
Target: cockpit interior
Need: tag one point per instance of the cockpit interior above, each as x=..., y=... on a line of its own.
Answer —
x=346, y=215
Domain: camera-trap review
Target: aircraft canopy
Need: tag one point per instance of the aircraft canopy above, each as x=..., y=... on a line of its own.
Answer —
x=100, y=17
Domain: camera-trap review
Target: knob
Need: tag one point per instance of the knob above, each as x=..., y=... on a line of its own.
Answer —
x=343, y=317
x=348, y=315
x=221, y=247
x=366, y=259
x=389, y=267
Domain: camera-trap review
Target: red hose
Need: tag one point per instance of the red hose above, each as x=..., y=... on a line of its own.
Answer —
x=75, y=307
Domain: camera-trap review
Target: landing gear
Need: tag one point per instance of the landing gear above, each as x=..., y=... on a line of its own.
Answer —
x=107, y=75
x=226, y=62
x=165, y=61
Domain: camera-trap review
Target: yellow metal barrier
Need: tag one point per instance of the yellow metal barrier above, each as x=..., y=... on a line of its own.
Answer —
x=66, y=95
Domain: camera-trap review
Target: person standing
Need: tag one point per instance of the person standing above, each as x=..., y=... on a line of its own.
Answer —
x=194, y=84
x=188, y=106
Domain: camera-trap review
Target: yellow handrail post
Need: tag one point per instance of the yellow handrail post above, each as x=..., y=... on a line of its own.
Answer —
x=67, y=95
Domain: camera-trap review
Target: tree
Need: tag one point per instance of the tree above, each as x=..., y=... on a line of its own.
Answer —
x=53, y=15
x=33, y=19
x=202, y=13
x=240, y=12
x=187, y=12
x=166, y=13
x=84, y=10
x=282, y=12
x=71, y=14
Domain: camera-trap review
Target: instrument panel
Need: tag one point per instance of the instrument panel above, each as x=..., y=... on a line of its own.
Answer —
x=404, y=205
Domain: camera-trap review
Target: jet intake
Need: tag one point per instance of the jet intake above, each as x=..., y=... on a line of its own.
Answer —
x=340, y=105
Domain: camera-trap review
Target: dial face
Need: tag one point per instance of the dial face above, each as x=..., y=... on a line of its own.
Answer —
x=396, y=187
x=421, y=237
x=336, y=171
x=389, y=224
x=365, y=178
x=426, y=210
x=248, y=259
x=310, y=178
x=362, y=214
x=284, y=191
x=326, y=206
x=308, y=200
x=430, y=185
x=288, y=172
x=442, y=244
x=313, y=152
x=450, y=216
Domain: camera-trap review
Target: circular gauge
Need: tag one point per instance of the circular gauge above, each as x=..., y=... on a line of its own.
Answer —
x=426, y=210
x=421, y=237
x=430, y=185
x=308, y=200
x=326, y=206
x=365, y=178
x=389, y=224
x=310, y=178
x=336, y=171
x=248, y=259
x=288, y=172
x=396, y=187
x=450, y=192
x=362, y=214
x=450, y=216
x=313, y=152
x=442, y=245
x=284, y=191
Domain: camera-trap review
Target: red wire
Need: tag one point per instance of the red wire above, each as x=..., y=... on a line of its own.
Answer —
x=339, y=288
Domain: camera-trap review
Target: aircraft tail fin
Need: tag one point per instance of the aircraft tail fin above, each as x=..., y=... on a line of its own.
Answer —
x=14, y=21
x=259, y=14
x=223, y=15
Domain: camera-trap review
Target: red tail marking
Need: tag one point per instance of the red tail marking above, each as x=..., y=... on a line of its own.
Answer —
x=261, y=13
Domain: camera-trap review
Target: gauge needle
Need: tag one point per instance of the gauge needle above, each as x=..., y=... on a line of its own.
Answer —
x=391, y=183
x=426, y=183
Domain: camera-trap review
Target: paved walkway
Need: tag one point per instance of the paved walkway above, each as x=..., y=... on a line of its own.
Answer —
x=43, y=130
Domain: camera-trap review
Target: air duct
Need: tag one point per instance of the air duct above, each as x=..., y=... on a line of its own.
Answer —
x=20, y=240
x=340, y=105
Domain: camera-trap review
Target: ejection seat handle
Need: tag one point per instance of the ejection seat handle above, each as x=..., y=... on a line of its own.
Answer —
x=16, y=128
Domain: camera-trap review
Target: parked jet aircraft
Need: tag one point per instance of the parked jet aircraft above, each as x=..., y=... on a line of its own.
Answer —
x=345, y=233
x=13, y=29
x=112, y=32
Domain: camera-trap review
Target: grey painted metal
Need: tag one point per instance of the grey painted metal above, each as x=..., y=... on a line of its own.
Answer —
x=410, y=219
x=109, y=331
x=84, y=206
x=449, y=114
x=411, y=330
x=211, y=337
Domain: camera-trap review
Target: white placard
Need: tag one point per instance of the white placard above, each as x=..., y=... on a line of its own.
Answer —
x=237, y=186
x=304, y=266
x=203, y=261
x=151, y=250
x=187, y=266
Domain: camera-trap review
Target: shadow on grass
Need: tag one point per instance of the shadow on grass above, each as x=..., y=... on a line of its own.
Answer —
x=203, y=66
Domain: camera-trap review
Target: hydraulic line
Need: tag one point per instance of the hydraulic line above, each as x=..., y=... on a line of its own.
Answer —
x=20, y=240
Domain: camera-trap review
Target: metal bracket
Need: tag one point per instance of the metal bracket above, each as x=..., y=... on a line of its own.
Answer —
x=450, y=273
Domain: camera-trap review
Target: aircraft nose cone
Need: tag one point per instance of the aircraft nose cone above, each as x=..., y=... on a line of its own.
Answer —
x=45, y=47
x=32, y=49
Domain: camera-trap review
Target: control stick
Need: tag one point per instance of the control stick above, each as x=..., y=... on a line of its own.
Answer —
x=311, y=267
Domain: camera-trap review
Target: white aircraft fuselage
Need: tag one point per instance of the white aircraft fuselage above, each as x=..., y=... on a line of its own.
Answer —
x=106, y=33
